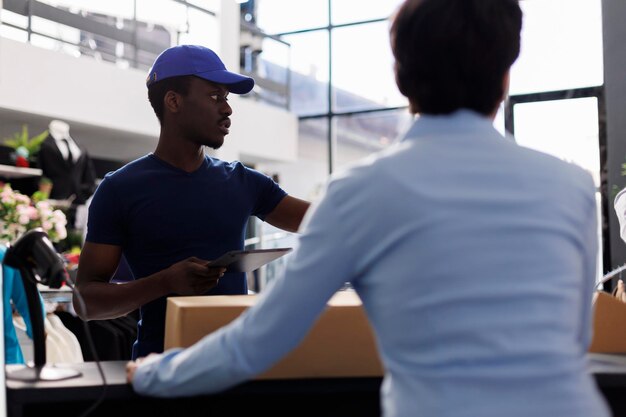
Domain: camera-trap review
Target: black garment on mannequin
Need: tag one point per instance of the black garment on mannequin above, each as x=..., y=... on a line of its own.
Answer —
x=68, y=177
x=70, y=156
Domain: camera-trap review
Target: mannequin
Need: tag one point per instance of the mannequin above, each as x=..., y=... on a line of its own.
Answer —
x=67, y=164
x=59, y=129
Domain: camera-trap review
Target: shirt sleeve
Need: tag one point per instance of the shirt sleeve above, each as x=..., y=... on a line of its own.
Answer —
x=104, y=223
x=264, y=333
x=267, y=191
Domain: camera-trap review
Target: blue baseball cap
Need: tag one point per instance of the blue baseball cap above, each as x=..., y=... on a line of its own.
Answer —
x=198, y=61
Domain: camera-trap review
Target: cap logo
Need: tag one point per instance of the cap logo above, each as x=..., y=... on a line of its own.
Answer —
x=151, y=78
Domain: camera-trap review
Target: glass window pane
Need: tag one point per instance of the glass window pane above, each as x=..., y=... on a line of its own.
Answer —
x=347, y=11
x=278, y=16
x=13, y=34
x=269, y=68
x=167, y=13
x=363, y=75
x=54, y=45
x=312, y=166
x=123, y=9
x=151, y=41
x=203, y=29
x=55, y=30
x=561, y=46
x=14, y=19
x=212, y=5
x=567, y=129
x=360, y=135
x=309, y=72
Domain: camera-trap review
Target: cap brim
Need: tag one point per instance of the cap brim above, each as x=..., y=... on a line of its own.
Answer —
x=236, y=83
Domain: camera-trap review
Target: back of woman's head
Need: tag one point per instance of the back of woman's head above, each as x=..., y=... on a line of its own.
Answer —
x=453, y=54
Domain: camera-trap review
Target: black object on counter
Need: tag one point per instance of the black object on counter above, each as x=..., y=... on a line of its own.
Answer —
x=39, y=263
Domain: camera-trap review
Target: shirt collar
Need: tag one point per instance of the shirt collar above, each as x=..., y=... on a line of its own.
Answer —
x=463, y=120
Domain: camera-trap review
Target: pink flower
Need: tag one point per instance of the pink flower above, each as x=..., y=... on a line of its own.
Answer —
x=33, y=214
x=18, y=213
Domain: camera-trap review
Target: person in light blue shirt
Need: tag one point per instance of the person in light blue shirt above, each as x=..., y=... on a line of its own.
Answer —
x=474, y=257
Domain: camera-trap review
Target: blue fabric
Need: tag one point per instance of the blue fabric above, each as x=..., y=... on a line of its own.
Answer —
x=475, y=260
x=160, y=215
x=13, y=290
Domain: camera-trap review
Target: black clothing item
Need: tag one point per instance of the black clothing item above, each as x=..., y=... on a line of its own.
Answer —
x=113, y=339
x=108, y=339
x=68, y=178
x=70, y=156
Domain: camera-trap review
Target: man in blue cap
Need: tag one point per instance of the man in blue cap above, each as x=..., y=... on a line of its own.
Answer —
x=172, y=211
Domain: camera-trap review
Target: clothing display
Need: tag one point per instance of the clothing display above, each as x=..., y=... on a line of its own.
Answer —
x=113, y=339
x=475, y=259
x=619, y=205
x=67, y=164
x=159, y=215
x=72, y=344
x=14, y=299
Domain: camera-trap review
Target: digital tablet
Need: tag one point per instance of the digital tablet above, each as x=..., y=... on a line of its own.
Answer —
x=248, y=260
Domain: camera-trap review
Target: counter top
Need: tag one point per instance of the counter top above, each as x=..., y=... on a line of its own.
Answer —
x=318, y=396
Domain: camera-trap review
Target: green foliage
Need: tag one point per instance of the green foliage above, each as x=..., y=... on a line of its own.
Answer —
x=22, y=139
x=39, y=196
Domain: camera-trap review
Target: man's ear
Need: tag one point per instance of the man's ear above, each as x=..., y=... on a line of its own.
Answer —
x=172, y=101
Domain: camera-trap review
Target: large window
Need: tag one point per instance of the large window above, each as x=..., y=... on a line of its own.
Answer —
x=556, y=102
x=343, y=75
x=561, y=46
x=568, y=128
x=362, y=72
x=129, y=33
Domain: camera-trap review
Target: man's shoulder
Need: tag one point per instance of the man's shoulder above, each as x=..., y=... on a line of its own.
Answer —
x=233, y=170
x=129, y=169
x=215, y=163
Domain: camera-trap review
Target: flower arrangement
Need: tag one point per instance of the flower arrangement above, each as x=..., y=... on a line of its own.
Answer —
x=19, y=213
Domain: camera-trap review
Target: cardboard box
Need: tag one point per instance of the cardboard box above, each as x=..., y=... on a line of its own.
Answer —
x=340, y=343
x=609, y=324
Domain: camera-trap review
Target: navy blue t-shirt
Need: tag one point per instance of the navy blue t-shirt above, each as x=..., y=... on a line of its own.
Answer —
x=160, y=214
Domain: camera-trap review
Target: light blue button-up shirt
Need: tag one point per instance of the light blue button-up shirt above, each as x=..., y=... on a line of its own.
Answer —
x=475, y=260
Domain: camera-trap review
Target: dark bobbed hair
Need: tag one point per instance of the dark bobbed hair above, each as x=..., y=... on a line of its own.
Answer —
x=454, y=54
x=157, y=91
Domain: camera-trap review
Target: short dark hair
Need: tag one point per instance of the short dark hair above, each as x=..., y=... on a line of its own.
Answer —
x=157, y=91
x=453, y=54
